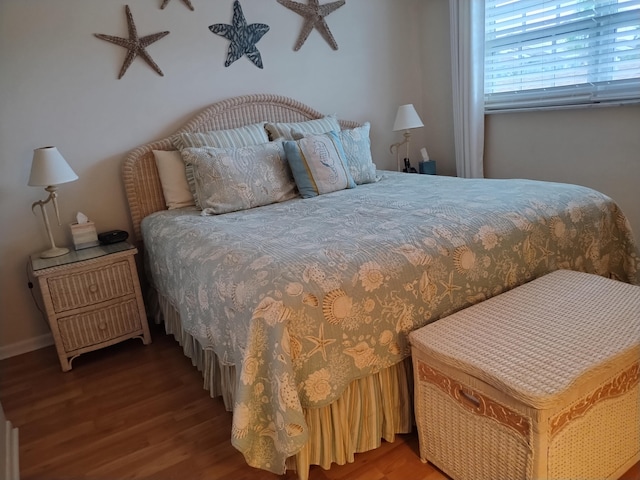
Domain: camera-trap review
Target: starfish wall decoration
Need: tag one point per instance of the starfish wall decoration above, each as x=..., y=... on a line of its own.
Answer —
x=243, y=37
x=313, y=14
x=186, y=2
x=135, y=45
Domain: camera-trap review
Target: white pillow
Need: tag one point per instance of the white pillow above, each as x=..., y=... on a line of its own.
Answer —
x=173, y=179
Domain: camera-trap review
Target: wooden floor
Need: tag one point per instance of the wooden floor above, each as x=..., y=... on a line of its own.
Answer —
x=131, y=411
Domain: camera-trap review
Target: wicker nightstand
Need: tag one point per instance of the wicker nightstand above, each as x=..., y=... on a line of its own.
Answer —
x=92, y=299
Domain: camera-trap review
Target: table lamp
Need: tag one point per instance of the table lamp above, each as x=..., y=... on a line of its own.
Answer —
x=49, y=169
x=406, y=119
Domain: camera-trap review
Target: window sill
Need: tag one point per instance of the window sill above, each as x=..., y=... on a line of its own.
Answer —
x=563, y=107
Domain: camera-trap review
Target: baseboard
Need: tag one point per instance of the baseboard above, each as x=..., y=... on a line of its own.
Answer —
x=25, y=346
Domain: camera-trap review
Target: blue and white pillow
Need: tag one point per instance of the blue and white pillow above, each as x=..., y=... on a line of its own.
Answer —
x=232, y=179
x=357, y=148
x=319, y=164
x=253, y=134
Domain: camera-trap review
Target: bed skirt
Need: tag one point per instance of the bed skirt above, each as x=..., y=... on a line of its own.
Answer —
x=372, y=408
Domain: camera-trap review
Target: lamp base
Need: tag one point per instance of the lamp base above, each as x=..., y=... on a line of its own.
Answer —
x=54, y=252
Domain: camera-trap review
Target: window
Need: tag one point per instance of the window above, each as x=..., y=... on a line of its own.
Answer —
x=558, y=53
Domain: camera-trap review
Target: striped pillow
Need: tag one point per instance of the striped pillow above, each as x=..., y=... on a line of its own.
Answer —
x=245, y=136
x=283, y=131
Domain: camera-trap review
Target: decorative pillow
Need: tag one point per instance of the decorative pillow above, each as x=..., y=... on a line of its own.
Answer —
x=253, y=134
x=232, y=179
x=319, y=164
x=357, y=148
x=173, y=179
x=321, y=125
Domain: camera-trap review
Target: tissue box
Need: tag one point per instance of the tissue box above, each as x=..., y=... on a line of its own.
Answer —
x=84, y=235
x=428, y=167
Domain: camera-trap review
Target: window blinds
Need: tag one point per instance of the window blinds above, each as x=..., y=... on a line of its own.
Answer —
x=556, y=53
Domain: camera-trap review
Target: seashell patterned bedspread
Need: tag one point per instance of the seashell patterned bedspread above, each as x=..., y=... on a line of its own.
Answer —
x=307, y=295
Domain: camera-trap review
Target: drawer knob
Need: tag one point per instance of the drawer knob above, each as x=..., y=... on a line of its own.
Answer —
x=103, y=325
x=93, y=288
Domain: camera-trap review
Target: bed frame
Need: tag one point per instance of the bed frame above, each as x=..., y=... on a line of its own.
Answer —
x=332, y=438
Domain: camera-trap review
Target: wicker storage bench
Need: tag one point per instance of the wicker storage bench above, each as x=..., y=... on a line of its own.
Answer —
x=538, y=382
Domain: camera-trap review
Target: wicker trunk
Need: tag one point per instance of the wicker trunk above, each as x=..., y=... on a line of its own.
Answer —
x=538, y=382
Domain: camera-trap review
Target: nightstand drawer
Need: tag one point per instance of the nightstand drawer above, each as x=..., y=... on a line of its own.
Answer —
x=91, y=286
x=97, y=326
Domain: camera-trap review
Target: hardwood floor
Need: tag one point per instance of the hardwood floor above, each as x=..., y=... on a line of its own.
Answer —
x=131, y=411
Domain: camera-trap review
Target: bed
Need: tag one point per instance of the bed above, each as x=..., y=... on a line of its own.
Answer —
x=297, y=312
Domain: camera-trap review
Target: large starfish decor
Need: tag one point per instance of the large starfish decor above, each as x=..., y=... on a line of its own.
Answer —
x=313, y=14
x=186, y=2
x=135, y=45
x=243, y=37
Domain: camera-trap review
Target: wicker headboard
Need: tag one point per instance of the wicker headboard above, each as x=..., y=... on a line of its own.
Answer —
x=139, y=173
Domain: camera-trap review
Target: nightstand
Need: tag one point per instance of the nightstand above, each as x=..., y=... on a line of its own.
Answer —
x=92, y=299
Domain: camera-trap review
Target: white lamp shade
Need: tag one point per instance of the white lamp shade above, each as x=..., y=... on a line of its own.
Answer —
x=50, y=168
x=407, y=118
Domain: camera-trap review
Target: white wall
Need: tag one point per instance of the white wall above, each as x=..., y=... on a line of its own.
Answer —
x=58, y=86
x=597, y=148
x=437, y=103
